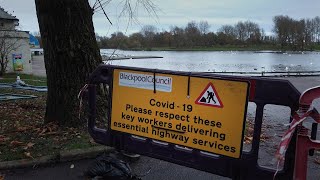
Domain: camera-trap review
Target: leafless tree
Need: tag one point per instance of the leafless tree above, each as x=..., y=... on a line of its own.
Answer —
x=178, y=36
x=8, y=44
x=204, y=27
x=192, y=33
x=240, y=30
x=317, y=29
x=228, y=30
x=149, y=32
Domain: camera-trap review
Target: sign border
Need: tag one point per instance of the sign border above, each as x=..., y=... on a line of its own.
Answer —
x=188, y=74
x=216, y=94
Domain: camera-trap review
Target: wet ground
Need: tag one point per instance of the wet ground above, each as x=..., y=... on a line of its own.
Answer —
x=275, y=120
x=38, y=67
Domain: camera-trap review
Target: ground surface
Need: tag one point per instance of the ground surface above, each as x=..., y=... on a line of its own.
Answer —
x=275, y=118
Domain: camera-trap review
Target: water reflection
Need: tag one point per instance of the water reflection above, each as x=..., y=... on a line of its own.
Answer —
x=235, y=61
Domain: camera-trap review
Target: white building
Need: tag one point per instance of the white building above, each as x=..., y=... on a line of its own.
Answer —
x=14, y=45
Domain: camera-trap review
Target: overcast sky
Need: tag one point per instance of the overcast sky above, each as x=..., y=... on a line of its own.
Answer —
x=180, y=12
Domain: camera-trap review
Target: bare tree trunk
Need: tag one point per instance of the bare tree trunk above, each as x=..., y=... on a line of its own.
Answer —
x=2, y=66
x=2, y=69
x=71, y=53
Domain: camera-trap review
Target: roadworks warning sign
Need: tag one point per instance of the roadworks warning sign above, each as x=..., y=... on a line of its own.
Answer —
x=209, y=97
x=201, y=113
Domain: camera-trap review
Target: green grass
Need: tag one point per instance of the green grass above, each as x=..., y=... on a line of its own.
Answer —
x=79, y=142
x=23, y=76
x=317, y=47
x=27, y=78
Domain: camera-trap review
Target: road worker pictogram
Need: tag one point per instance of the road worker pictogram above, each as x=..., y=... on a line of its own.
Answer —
x=209, y=97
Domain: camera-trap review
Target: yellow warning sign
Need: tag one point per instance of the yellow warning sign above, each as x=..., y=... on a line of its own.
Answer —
x=209, y=97
x=202, y=113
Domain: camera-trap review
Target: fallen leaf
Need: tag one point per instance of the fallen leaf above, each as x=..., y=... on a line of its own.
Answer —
x=51, y=133
x=3, y=139
x=72, y=166
x=29, y=145
x=92, y=141
x=317, y=160
x=28, y=155
x=37, y=129
x=21, y=129
x=42, y=132
x=56, y=138
x=250, y=130
x=16, y=143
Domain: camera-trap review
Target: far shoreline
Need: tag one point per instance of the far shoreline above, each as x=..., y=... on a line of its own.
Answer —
x=260, y=50
x=254, y=49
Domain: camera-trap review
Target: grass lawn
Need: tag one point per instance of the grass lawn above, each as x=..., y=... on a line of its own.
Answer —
x=29, y=79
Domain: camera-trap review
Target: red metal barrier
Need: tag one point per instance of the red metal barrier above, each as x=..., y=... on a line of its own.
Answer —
x=304, y=143
x=309, y=95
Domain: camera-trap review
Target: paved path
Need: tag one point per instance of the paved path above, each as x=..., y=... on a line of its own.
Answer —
x=160, y=170
x=38, y=66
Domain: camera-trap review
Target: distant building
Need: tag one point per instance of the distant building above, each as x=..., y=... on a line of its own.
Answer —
x=34, y=43
x=17, y=42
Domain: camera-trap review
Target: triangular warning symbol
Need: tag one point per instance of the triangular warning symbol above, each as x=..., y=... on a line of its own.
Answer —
x=209, y=97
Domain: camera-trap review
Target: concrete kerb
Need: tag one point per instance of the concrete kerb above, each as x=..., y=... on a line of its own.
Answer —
x=62, y=156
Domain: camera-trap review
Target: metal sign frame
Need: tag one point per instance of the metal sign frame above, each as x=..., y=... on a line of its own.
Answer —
x=262, y=92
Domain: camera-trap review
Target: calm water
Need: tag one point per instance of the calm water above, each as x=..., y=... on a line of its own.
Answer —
x=231, y=61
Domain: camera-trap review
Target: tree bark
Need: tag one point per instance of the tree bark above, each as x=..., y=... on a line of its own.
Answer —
x=71, y=53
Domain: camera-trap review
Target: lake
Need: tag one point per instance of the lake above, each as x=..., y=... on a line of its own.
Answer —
x=221, y=61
